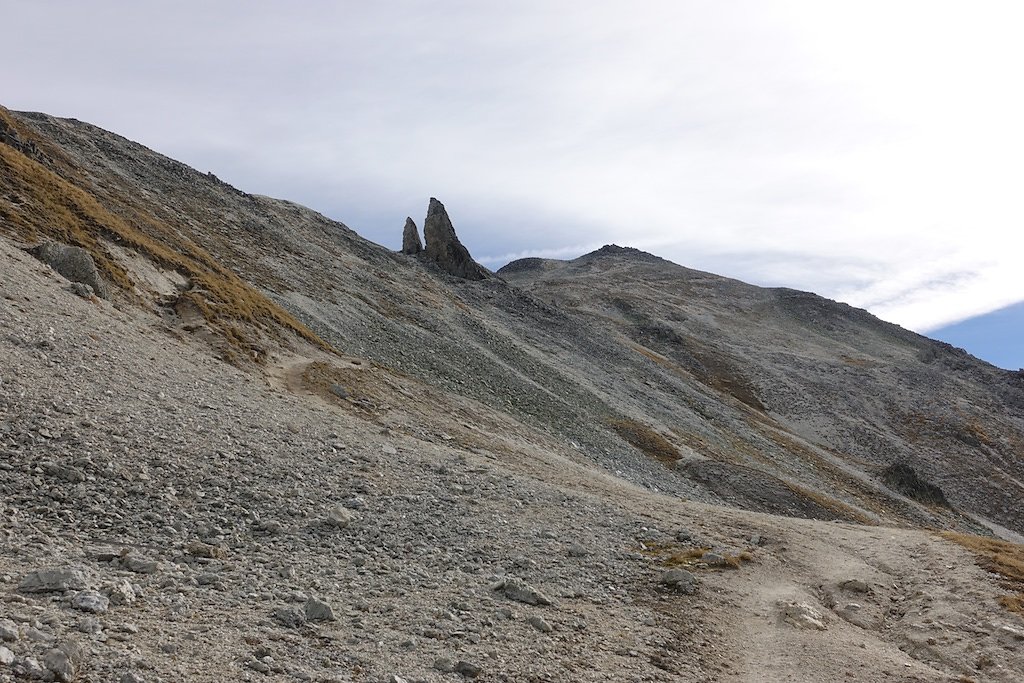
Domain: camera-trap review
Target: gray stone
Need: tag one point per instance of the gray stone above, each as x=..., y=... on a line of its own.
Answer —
x=516, y=589
x=8, y=631
x=289, y=616
x=395, y=678
x=37, y=636
x=340, y=517
x=121, y=593
x=131, y=677
x=411, y=243
x=713, y=559
x=679, y=580
x=74, y=263
x=58, y=662
x=855, y=586
x=139, y=565
x=576, y=550
x=53, y=580
x=444, y=665
x=90, y=601
x=467, y=669
x=803, y=616
x=318, y=610
x=257, y=665
x=445, y=249
x=540, y=624
x=6, y=656
x=33, y=670
x=90, y=625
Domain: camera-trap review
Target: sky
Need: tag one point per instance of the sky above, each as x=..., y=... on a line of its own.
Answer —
x=869, y=151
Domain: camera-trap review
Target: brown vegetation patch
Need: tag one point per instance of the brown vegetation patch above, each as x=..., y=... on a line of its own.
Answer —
x=999, y=557
x=640, y=436
x=42, y=203
x=833, y=505
x=967, y=429
x=671, y=554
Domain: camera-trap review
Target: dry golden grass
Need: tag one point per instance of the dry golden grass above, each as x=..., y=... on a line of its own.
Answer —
x=999, y=557
x=49, y=204
x=674, y=555
x=641, y=436
x=838, y=507
x=659, y=359
x=682, y=558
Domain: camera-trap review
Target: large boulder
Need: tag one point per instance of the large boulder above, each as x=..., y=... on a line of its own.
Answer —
x=411, y=243
x=903, y=478
x=444, y=247
x=74, y=263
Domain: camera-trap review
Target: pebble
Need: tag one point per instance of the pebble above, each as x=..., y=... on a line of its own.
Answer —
x=6, y=656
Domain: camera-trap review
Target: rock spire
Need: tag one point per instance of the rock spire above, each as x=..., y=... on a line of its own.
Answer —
x=444, y=247
x=411, y=243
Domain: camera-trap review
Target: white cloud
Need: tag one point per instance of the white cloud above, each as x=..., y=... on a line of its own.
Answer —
x=870, y=151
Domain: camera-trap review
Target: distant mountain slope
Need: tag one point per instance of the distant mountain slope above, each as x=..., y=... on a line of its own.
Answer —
x=687, y=382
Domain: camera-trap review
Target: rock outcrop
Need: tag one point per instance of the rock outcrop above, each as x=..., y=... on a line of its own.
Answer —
x=411, y=243
x=444, y=247
x=74, y=263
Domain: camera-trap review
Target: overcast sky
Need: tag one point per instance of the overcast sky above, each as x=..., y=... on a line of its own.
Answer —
x=868, y=151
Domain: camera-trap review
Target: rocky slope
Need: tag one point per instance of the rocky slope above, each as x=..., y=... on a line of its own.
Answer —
x=279, y=451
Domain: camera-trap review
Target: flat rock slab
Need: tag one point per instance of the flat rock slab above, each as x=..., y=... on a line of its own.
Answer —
x=53, y=580
x=516, y=589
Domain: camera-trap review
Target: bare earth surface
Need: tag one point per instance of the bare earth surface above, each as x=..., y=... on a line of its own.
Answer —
x=196, y=506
